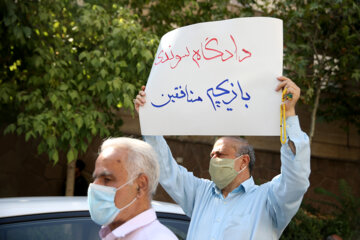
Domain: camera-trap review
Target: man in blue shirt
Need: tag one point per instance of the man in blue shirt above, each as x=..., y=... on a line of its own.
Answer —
x=231, y=206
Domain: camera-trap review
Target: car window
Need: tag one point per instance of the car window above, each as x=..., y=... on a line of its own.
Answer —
x=178, y=227
x=79, y=226
x=53, y=229
x=178, y=224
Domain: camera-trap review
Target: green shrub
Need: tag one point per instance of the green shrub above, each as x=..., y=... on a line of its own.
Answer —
x=345, y=209
x=304, y=226
x=344, y=218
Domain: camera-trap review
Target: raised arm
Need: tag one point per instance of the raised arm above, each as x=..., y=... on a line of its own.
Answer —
x=180, y=184
x=287, y=189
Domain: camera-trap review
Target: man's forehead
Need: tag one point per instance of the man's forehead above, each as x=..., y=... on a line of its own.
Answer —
x=219, y=146
x=226, y=143
x=107, y=152
x=110, y=154
x=235, y=141
x=110, y=160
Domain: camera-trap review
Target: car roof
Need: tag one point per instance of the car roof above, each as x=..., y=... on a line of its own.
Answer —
x=19, y=206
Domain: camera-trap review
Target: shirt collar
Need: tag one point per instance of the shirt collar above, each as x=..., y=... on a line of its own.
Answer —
x=131, y=225
x=244, y=187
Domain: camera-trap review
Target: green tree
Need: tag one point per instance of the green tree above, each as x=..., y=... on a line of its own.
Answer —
x=65, y=68
x=165, y=15
x=66, y=65
x=321, y=54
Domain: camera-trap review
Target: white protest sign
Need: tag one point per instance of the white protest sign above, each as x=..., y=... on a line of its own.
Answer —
x=216, y=78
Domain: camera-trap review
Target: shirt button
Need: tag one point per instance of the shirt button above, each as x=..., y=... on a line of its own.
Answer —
x=225, y=202
x=218, y=219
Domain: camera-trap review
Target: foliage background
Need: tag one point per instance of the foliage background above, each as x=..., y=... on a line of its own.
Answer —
x=66, y=67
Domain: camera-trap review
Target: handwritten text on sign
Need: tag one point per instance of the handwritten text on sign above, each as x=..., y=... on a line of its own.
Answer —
x=216, y=78
x=223, y=94
x=209, y=51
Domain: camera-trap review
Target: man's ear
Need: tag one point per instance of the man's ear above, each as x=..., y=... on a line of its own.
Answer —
x=143, y=185
x=241, y=162
x=246, y=160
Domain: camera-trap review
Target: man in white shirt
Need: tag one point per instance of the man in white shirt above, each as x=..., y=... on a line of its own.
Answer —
x=125, y=178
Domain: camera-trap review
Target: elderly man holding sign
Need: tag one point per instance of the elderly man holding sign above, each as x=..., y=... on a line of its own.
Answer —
x=230, y=205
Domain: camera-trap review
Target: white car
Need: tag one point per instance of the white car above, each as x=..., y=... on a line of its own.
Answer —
x=37, y=218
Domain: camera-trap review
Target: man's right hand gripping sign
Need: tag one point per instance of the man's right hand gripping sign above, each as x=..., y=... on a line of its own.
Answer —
x=231, y=206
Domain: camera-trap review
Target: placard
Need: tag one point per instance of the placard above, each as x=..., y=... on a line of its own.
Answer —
x=216, y=78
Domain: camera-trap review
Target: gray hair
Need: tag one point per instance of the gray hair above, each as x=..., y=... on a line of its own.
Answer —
x=243, y=147
x=141, y=159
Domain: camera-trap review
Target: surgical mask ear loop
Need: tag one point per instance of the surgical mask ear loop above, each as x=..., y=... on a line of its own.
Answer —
x=122, y=187
x=283, y=118
x=241, y=170
x=125, y=184
x=128, y=205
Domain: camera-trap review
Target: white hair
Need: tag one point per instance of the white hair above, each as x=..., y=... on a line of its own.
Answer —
x=141, y=158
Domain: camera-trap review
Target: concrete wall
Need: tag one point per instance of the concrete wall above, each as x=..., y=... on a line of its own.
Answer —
x=24, y=173
x=334, y=156
x=324, y=172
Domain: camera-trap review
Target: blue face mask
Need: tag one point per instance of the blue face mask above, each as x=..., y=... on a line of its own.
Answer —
x=101, y=201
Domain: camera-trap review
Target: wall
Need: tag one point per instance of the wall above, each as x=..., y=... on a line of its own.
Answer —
x=334, y=156
x=324, y=172
x=24, y=173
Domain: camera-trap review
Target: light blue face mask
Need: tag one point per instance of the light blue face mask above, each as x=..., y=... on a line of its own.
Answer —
x=101, y=201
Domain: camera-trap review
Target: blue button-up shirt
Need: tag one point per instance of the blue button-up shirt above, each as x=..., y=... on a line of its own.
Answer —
x=249, y=211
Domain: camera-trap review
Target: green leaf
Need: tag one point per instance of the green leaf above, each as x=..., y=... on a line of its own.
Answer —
x=140, y=67
x=103, y=73
x=116, y=83
x=41, y=148
x=55, y=156
x=79, y=122
x=37, y=60
x=127, y=101
x=123, y=64
x=51, y=141
x=73, y=94
x=63, y=87
x=83, y=147
x=147, y=54
x=10, y=128
x=71, y=155
x=97, y=53
x=65, y=136
x=18, y=33
x=356, y=75
x=38, y=128
x=27, y=32
x=116, y=53
x=95, y=62
x=83, y=55
x=134, y=51
x=28, y=135
x=93, y=130
x=53, y=98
